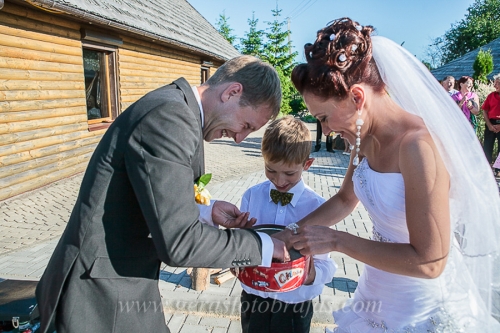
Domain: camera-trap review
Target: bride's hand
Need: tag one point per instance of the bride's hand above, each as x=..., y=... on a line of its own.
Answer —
x=314, y=239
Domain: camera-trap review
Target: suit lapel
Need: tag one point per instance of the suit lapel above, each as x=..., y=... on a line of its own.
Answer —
x=191, y=101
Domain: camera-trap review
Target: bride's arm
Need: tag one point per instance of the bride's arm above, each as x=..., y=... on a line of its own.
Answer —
x=427, y=213
x=337, y=207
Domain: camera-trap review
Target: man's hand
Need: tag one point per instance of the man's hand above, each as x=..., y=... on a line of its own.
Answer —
x=280, y=252
x=228, y=215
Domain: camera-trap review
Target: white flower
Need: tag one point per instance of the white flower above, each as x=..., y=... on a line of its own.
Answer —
x=342, y=58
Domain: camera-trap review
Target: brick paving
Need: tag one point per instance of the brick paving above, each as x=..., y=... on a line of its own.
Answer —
x=32, y=223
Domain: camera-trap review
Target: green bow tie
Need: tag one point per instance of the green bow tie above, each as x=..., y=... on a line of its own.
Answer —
x=284, y=197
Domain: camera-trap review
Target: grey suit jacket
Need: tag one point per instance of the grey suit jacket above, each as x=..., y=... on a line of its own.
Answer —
x=136, y=208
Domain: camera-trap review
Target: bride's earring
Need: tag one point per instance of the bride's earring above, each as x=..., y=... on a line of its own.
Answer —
x=359, y=123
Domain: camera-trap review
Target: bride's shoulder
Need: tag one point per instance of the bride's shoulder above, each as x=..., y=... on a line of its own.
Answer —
x=417, y=143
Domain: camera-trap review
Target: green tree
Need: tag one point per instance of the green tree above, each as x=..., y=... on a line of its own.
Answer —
x=278, y=46
x=253, y=42
x=480, y=26
x=278, y=52
x=224, y=29
x=483, y=66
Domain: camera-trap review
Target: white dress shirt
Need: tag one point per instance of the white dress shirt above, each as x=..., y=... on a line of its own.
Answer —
x=257, y=201
x=206, y=211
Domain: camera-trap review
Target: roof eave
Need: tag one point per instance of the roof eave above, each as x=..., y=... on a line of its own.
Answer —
x=94, y=19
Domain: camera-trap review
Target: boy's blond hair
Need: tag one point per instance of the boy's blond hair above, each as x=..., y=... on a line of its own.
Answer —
x=286, y=140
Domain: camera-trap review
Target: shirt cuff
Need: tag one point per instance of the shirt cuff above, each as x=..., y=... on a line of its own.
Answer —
x=206, y=214
x=267, y=249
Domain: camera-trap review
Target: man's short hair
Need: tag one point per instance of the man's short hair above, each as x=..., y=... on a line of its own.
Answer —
x=448, y=77
x=496, y=77
x=260, y=81
x=286, y=140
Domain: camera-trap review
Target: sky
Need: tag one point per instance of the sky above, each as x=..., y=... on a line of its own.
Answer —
x=414, y=22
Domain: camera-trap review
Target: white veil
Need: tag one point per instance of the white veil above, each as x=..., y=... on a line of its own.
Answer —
x=474, y=195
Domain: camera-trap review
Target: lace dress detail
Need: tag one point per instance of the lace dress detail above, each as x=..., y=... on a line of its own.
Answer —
x=377, y=236
x=360, y=178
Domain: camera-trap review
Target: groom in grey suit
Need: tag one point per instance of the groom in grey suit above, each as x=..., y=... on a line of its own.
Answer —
x=136, y=204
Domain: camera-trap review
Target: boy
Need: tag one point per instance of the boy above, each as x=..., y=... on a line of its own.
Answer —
x=285, y=147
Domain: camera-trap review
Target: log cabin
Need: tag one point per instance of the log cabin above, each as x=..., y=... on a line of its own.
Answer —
x=69, y=67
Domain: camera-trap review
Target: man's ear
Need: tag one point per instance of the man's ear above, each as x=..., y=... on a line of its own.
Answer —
x=308, y=163
x=233, y=89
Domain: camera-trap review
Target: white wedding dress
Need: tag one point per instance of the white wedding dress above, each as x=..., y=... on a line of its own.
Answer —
x=386, y=302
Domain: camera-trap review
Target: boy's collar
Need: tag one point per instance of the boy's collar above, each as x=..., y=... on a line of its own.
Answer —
x=297, y=190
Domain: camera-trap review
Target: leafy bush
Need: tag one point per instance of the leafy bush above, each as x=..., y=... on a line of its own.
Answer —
x=483, y=66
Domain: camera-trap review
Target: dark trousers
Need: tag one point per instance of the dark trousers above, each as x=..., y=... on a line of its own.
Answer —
x=266, y=315
x=319, y=136
x=489, y=142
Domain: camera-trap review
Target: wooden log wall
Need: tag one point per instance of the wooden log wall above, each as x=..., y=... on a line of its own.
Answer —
x=145, y=66
x=44, y=134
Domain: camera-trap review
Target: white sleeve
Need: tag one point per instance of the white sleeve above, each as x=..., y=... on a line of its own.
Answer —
x=325, y=269
x=267, y=249
x=206, y=214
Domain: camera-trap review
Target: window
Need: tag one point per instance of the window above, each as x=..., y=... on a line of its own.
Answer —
x=99, y=64
x=205, y=74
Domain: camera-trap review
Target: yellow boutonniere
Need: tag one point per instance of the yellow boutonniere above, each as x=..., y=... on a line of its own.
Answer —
x=201, y=194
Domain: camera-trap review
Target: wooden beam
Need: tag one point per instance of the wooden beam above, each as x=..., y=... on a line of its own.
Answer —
x=61, y=141
x=33, y=75
x=19, y=53
x=11, y=138
x=32, y=164
x=16, y=189
x=30, y=105
x=7, y=117
x=41, y=85
x=15, y=63
x=43, y=37
x=37, y=45
x=23, y=156
x=22, y=126
x=19, y=95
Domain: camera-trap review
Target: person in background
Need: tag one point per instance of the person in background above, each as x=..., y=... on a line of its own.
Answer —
x=467, y=100
x=319, y=136
x=448, y=84
x=283, y=199
x=491, y=112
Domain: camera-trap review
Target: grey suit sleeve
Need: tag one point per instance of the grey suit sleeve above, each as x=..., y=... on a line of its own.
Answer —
x=158, y=162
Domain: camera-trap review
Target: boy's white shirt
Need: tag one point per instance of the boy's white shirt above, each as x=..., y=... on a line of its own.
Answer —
x=206, y=211
x=257, y=201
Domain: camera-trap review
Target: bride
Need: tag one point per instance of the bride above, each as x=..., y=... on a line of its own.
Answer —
x=430, y=265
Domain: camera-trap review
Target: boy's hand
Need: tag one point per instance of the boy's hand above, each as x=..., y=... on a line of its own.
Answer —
x=280, y=251
x=228, y=216
x=285, y=237
x=312, y=273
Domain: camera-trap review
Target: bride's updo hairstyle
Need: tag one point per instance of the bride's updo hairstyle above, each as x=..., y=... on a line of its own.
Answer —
x=340, y=57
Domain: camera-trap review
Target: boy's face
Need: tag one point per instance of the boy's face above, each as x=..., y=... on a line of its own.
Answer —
x=285, y=176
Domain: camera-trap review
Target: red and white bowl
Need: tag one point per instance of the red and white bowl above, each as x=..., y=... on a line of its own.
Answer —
x=281, y=276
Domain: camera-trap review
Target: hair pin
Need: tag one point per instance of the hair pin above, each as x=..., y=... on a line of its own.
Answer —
x=354, y=48
x=359, y=28
x=332, y=37
x=310, y=54
x=342, y=58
